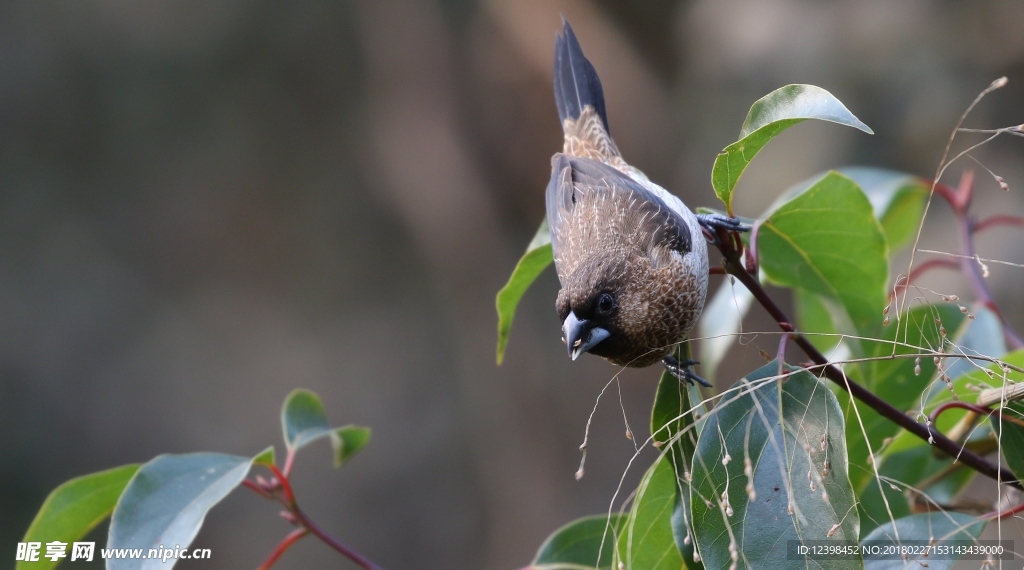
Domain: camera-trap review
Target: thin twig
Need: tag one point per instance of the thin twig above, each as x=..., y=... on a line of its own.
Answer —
x=284, y=545
x=735, y=267
x=294, y=515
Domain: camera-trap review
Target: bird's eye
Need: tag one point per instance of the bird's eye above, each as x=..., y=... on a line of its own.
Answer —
x=605, y=304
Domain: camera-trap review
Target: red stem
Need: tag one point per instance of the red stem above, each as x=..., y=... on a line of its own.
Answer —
x=970, y=266
x=295, y=516
x=286, y=486
x=289, y=460
x=1002, y=514
x=285, y=544
x=998, y=220
x=255, y=488
x=921, y=270
x=334, y=543
x=963, y=406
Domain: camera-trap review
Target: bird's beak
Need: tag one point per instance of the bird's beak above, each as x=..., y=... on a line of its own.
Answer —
x=581, y=336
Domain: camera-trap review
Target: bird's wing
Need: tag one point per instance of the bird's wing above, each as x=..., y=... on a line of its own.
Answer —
x=592, y=207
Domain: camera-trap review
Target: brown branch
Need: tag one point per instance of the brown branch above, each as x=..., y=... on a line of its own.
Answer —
x=735, y=267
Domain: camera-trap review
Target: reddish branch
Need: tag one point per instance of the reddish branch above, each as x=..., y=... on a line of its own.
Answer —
x=279, y=488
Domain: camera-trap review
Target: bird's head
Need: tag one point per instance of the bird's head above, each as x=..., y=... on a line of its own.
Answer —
x=600, y=304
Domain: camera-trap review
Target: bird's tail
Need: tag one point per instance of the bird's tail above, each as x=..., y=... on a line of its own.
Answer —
x=576, y=81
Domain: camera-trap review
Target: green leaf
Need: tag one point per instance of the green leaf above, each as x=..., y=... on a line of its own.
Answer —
x=768, y=117
x=1010, y=433
x=166, y=501
x=348, y=441
x=74, y=508
x=942, y=526
x=537, y=257
x=918, y=466
x=588, y=542
x=674, y=431
x=894, y=380
x=814, y=319
x=784, y=430
x=303, y=419
x=826, y=240
x=265, y=457
x=897, y=198
x=647, y=541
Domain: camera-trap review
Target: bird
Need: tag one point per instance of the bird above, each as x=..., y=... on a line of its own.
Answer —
x=631, y=258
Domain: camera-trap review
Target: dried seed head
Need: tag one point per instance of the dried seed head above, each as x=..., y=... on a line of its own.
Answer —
x=832, y=531
x=885, y=311
x=962, y=308
x=629, y=433
x=917, y=370
x=658, y=444
x=1002, y=183
x=885, y=322
x=726, y=459
x=579, y=474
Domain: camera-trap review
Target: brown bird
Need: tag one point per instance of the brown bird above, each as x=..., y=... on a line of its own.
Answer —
x=631, y=258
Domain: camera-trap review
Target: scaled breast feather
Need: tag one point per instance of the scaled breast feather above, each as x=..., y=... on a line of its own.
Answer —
x=593, y=207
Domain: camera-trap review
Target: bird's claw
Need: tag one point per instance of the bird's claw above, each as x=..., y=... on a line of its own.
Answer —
x=683, y=371
x=715, y=222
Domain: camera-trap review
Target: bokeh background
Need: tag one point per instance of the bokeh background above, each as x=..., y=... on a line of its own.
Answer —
x=204, y=205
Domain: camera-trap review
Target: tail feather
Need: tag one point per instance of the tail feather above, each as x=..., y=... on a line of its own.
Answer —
x=576, y=81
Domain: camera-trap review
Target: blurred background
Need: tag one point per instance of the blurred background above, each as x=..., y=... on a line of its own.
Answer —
x=204, y=205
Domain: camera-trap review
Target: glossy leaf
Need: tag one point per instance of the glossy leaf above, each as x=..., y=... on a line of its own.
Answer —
x=826, y=240
x=814, y=319
x=784, y=429
x=166, y=501
x=74, y=508
x=588, y=542
x=347, y=441
x=265, y=457
x=768, y=117
x=537, y=257
x=646, y=541
x=677, y=407
x=918, y=466
x=1009, y=429
x=897, y=199
x=303, y=418
x=983, y=336
x=940, y=526
x=894, y=379
x=304, y=421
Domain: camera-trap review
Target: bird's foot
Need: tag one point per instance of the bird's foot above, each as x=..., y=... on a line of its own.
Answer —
x=715, y=222
x=683, y=370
